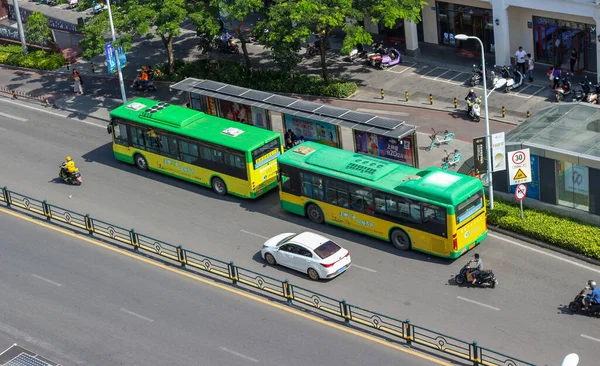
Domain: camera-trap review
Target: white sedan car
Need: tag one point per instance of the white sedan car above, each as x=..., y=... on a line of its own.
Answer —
x=309, y=253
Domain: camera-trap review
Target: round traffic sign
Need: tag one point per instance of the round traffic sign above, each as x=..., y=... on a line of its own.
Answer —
x=518, y=157
x=520, y=192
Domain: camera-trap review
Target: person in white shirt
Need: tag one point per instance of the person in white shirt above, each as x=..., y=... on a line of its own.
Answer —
x=520, y=59
x=530, y=67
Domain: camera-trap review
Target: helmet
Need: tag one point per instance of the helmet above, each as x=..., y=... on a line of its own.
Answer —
x=471, y=90
x=68, y=158
x=476, y=256
x=592, y=283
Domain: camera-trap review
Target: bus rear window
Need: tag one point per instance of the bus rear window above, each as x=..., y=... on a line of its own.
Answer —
x=468, y=207
x=266, y=153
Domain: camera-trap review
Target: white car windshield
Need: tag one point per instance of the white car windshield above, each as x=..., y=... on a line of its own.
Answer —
x=286, y=239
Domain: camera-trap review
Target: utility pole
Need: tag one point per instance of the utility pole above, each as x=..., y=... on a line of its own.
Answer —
x=20, y=26
x=114, y=38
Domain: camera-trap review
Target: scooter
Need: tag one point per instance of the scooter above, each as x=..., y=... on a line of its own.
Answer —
x=138, y=85
x=592, y=97
x=577, y=305
x=484, y=279
x=392, y=58
x=378, y=52
x=451, y=160
x=72, y=179
x=512, y=82
x=73, y=4
x=564, y=90
x=475, y=111
x=357, y=53
x=445, y=139
x=315, y=47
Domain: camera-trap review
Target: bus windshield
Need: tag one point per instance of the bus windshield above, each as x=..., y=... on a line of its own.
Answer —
x=468, y=207
x=266, y=153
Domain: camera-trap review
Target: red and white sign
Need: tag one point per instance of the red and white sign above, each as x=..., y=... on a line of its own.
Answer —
x=520, y=192
x=519, y=167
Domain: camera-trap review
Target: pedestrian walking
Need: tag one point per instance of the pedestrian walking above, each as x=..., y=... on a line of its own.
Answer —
x=520, y=60
x=77, y=82
x=530, y=67
x=573, y=59
x=550, y=74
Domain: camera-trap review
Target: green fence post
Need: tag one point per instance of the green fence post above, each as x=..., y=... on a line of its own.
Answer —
x=408, y=332
x=345, y=311
x=287, y=292
x=232, y=272
x=46, y=210
x=88, y=224
x=475, y=354
x=181, y=256
x=134, y=239
x=6, y=196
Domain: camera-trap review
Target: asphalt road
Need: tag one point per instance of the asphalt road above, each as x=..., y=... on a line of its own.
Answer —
x=77, y=303
x=524, y=316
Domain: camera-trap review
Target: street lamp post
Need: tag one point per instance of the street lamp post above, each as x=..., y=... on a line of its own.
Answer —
x=114, y=38
x=464, y=37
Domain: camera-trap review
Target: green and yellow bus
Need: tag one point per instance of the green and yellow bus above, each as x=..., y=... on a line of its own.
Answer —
x=228, y=156
x=432, y=210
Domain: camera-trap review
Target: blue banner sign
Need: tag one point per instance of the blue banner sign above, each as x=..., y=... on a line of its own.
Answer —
x=111, y=62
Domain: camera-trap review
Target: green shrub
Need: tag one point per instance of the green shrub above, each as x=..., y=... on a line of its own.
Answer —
x=41, y=60
x=545, y=226
x=260, y=79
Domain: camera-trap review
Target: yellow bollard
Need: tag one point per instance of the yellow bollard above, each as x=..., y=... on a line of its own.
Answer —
x=406, y=96
x=503, y=112
x=14, y=94
x=528, y=114
x=382, y=94
x=455, y=103
x=430, y=99
x=68, y=65
x=92, y=64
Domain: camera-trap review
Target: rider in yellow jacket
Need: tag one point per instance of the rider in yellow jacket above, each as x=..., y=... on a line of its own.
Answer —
x=69, y=166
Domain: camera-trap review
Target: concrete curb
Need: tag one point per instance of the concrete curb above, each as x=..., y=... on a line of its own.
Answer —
x=545, y=245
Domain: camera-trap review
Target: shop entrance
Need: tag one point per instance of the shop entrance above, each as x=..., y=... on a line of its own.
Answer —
x=459, y=19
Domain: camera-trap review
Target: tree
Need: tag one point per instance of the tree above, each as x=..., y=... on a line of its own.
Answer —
x=37, y=29
x=137, y=18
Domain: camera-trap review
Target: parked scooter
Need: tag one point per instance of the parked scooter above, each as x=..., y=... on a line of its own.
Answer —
x=477, y=77
x=358, y=52
x=475, y=109
x=484, y=279
x=392, y=58
x=377, y=51
x=577, y=305
x=315, y=47
x=592, y=97
x=512, y=82
x=563, y=90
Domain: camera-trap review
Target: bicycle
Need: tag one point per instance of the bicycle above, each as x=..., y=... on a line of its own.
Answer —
x=446, y=138
x=451, y=160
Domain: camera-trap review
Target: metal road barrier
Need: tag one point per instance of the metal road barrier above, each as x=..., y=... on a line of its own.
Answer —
x=363, y=319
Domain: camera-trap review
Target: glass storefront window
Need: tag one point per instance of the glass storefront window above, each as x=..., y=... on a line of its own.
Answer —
x=459, y=19
x=573, y=185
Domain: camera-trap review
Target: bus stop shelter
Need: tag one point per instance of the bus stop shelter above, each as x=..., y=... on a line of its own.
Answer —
x=387, y=138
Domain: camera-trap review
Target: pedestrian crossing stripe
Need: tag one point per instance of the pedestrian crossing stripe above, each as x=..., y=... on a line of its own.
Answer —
x=520, y=175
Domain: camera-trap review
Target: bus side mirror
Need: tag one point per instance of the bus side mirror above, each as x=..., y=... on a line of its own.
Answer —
x=109, y=128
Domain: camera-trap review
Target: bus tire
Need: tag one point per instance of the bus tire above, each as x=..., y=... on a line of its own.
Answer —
x=400, y=239
x=140, y=162
x=218, y=186
x=314, y=213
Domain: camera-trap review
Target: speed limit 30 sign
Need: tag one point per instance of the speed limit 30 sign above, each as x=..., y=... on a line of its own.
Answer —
x=519, y=166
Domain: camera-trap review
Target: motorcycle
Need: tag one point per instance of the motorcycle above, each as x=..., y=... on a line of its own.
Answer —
x=315, y=47
x=477, y=76
x=228, y=46
x=72, y=178
x=484, y=279
x=564, y=90
x=137, y=84
x=451, y=160
x=592, y=97
x=577, y=305
x=392, y=58
x=377, y=51
x=475, y=111
x=512, y=82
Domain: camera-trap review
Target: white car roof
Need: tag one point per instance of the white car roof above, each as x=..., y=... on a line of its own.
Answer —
x=309, y=240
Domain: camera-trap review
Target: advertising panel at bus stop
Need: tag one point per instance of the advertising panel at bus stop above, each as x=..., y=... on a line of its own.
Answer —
x=398, y=150
x=311, y=130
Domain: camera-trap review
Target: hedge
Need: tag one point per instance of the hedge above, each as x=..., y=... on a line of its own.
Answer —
x=260, y=79
x=40, y=60
x=564, y=232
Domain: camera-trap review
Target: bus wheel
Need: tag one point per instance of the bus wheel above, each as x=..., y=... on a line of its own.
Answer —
x=315, y=214
x=141, y=162
x=400, y=240
x=218, y=186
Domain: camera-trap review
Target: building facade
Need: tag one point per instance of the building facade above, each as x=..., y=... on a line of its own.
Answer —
x=548, y=29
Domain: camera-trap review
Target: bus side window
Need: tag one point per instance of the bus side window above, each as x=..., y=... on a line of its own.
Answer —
x=312, y=186
x=434, y=214
x=121, y=136
x=138, y=138
x=189, y=152
x=168, y=147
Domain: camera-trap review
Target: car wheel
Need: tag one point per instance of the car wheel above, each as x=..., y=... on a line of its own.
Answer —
x=315, y=214
x=313, y=274
x=141, y=162
x=270, y=259
x=218, y=186
x=400, y=239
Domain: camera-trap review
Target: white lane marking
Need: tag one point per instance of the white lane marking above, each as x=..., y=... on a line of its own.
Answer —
x=440, y=75
x=45, y=279
x=455, y=76
x=406, y=67
x=49, y=112
x=136, y=314
x=238, y=354
x=20, y=119
x=522, y=89
x=477, y=303
x=539, y=251
x=591, y=338
x=251, y=233
x=379, y=111
x=365, y=268
x=429, y=72
x=3, y=129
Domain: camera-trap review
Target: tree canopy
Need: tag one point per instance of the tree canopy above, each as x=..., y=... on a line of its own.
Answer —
x=37, y=29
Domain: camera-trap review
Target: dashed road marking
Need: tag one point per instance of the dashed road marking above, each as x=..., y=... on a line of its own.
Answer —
x=477, y=303
x=46, y=280
x=20, y=119
x=238, y=354
x=364, y=268
x=590, y=338
x=254, y=234
x=136, y=315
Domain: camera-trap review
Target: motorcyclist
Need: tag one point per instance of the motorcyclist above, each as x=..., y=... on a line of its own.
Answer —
x=68, y=167
x=471, y=99
x=478, y=267
x=594, y=296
